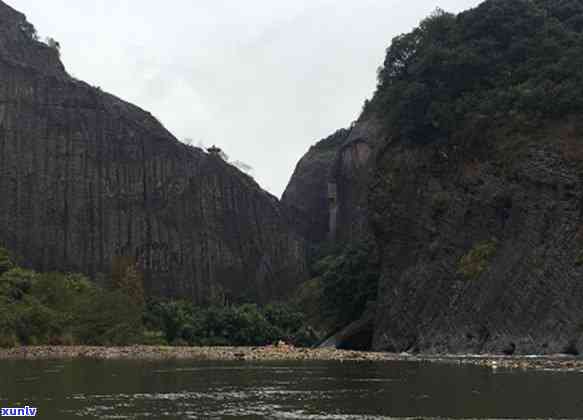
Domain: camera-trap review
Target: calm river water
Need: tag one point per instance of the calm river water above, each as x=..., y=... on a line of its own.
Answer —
x=85, y=389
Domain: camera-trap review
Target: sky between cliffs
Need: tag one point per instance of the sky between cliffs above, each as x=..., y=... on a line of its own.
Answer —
x=262, y=79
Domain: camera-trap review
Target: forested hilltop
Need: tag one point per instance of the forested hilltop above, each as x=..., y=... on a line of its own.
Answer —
x=465, y=168
x=515, y=61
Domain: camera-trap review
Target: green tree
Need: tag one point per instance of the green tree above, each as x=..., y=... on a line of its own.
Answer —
x=349, y=280
x=6, y=262
x=519, y=58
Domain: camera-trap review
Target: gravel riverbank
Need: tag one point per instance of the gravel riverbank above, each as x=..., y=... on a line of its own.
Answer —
x=284, y=353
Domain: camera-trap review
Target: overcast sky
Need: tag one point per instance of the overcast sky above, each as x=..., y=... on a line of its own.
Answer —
x=262, y=79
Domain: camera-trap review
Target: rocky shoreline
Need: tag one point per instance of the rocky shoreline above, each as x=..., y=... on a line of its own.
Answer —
x=266, y=353
x=284, y=353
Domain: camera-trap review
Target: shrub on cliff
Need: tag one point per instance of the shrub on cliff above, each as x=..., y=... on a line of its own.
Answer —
x=476, y=261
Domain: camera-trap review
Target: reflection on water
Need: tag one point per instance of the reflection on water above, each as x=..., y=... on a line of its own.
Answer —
x=288, y=390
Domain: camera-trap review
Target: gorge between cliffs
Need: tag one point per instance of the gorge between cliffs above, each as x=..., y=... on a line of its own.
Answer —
x=446, y=219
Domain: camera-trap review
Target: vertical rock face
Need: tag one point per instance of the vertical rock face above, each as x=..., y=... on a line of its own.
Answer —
x=473, y=193
x=328, y=189
x=310, y=192
x=351, y=173
x=481, y=242
x=481, y=250
x=86, y=178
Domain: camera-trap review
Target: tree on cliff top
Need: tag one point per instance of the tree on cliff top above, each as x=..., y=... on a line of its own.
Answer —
x=519, y=58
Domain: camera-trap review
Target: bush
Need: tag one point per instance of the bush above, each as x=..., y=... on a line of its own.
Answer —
x=440, y=202
x=239, y=325
x=246, y=325
x=17, y=282
x=55, y=308
x=6, y=262
x=36, y=323
x=107, y=318
x=172, y=318
x=476, y=261
x=7, y=324
x=348, y=280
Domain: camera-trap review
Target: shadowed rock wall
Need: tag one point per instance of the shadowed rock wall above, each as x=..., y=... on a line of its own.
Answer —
x=481, y=244
x=329, y=187
x=86, y=177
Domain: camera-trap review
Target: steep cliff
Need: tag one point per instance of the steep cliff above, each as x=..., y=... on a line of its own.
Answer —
x=87, y=179
x=473, y=188
x=328, y=189
x=481, y=251
x=328, y=194
x=476, y=200
x=309, y=192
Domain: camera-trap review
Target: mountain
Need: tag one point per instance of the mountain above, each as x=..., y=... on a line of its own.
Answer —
x=473, y=186
x=307, y=193
x=89, y=182
x=328, y=189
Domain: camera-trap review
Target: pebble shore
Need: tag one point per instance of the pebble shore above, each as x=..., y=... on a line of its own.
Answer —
x=284, y=353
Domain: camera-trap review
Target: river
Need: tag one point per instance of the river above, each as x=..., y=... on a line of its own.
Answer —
x=91, y=389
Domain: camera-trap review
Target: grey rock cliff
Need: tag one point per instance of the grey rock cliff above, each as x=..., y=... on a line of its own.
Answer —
x=308, y=194
x=86, y=178
x=329, y=187
x=433, y=207
x=436, y=209
x=480, y=229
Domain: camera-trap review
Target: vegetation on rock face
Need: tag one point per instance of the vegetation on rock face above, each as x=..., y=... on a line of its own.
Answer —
x=496, y=93
x=475, y=262
x=520, y=59
x=345, y=281
x=55, y=308
x=440, y=202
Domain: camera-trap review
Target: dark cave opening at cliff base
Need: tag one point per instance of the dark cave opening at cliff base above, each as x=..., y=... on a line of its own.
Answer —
x=360, y=340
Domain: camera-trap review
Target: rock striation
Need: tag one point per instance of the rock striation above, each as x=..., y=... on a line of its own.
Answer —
x=475, y=202
x=87, y=179
x=480, y=250
x=329, y=188
x=309, y=192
